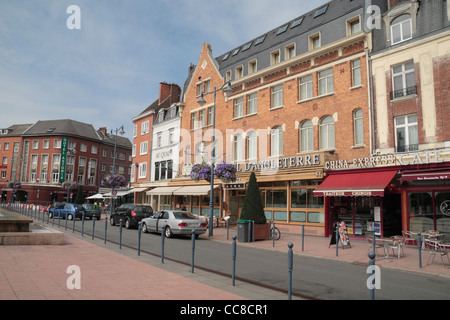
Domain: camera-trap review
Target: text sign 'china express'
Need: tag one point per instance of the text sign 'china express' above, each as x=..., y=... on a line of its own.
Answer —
x=387, y=160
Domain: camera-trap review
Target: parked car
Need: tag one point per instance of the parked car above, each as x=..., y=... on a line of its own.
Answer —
x=67, y=211
x=130, y=214
x=92, y=211
x=174, y=223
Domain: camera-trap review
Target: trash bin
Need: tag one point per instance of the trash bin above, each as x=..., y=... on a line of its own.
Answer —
x=243, y=231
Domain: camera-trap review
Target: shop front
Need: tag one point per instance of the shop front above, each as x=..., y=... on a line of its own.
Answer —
x=388, y=194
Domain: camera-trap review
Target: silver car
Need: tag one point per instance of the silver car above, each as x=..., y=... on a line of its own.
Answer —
x=174, y=223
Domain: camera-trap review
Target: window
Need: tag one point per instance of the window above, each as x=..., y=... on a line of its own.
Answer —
x=401, y=29
x=282, y=29
x=252, y=145
x=193, y=120
x=210, y=116
x=326, y=82
x=35, y=144
x=321, y=11
x=276, y=141
x=238, y=107
x=252, y=67
x=327, y=133
x=94, y=149
x=306, y=87
x=353, y=26
x=290, y=51
x=83, y=147
x=297, y=22
x=171, y=136
x=277, y=96
x=143, y=170
x=239, y=73
x=406, y=133
x=46, y=144
x=202, y=118
x=238, y=148
x=252, y=103
x=358, y=127
x=200, y=152
x=306, y=136
x=144, y=148
x=356, y=73
x=314, y=41
x=275, y=58
x=403, y=80
x=247, y=46
x=260, y=40
x=57, y=144
x=145, y=127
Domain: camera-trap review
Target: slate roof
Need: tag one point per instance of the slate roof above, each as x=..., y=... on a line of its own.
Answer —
x=334, y=9
x=63, y=127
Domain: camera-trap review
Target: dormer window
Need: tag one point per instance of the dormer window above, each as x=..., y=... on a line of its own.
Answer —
x=401, y=29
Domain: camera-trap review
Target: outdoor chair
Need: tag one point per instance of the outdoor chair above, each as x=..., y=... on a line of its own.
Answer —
x=436, y=248
x=397, y=244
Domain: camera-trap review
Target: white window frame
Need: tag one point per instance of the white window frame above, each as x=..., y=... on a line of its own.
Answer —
x=276, y=100
x=401, y=25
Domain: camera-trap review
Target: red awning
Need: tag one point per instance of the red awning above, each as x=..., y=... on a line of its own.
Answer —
x=355, y=184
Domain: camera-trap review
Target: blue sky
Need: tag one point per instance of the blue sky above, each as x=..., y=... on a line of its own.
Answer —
x=109, y=71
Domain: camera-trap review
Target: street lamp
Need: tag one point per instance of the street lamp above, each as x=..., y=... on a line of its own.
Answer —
x=202, y=102
x=122, y=132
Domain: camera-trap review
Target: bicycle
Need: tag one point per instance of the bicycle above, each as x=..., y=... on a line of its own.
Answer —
x=277, y=233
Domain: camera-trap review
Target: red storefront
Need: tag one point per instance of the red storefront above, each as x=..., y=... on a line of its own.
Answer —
x=387, y=200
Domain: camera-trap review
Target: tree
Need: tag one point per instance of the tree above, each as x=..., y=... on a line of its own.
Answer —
x=253, y=208
x=80, y=198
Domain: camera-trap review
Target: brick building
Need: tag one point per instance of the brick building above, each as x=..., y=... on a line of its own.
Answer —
x=38, y=158
x=155, y=144
x=300, y=100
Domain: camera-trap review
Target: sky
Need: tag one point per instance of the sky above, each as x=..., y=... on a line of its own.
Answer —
x=107, y=69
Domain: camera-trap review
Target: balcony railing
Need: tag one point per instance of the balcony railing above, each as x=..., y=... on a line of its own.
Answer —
x=407, y=148
x=403, y=92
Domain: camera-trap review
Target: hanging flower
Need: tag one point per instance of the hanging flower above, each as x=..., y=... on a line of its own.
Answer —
x=15, y=185
x=70, y=185
x=114, y=181
x=201, y=171
x=226, y=172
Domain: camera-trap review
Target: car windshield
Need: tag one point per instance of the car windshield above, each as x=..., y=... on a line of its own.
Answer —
x=78, y=206
x=90, y=206
x=183, y=215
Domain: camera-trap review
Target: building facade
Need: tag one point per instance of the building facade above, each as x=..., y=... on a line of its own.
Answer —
x=42, y=156
x=300, y=100
x=409, y=160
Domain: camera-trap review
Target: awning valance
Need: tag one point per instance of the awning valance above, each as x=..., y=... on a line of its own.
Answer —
x=194, y=190
x=163, y=191
x=355, y=184
x=426, y=175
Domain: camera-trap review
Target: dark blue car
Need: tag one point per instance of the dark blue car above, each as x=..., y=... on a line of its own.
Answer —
x=67, y=211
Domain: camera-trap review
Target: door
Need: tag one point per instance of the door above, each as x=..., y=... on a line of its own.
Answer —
x=162, y=221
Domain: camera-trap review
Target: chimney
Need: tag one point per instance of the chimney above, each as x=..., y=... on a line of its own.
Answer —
x=172, y=90
x=103, y=130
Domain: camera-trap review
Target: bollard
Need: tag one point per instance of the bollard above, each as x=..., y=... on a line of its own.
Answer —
x=59, y=220
x=228, y=227
x=290, y=264
x=82, y=224
x=65, y=228
x=303, y=237
x=372, y=263
x=337, y=240
x=419, y=244
x=106, y=226
x=162, y=246
x=120, y=237
x=139, y=238
x=234, y=261
x=193, y=250
x=93, y=227
x=53, y=218
x=373, y=244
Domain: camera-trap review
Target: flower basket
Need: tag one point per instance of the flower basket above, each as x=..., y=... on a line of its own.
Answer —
x=15, y=185
x=201, y=171
x=226, y=172
x=114, y=181
x=70, y=185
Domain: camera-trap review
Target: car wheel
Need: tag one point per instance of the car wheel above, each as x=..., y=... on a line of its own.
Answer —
x=168, y=232
x=127, y=224
x=111, y=221
x=50, y=215
x=69, y=217
x=144, y=227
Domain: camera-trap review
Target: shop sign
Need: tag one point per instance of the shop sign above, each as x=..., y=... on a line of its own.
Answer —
x=62, y=166
x=235, y=186
x=282, y=163
x=386, y=160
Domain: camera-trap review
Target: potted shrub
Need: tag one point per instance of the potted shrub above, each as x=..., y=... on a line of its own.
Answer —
x=253, y=210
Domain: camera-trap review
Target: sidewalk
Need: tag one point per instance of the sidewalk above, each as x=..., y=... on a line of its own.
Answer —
x=108, y=273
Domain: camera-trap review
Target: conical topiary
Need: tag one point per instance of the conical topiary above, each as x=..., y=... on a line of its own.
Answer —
x=253, y=208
